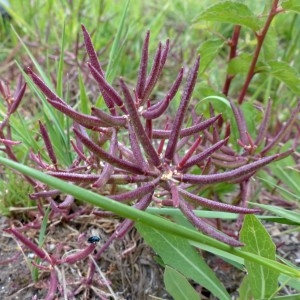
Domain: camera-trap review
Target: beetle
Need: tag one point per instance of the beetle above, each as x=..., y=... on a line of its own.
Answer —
x=94, y=239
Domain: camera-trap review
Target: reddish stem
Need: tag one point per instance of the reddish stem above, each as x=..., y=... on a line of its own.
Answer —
x=260, y=36
x=233, y=46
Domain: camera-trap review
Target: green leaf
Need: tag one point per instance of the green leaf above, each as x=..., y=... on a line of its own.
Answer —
x=84, y=101
x=270, y=45
x=59, y=136
x=179, y=254
x=286, y=74
x=241, y=64
x=208, y=51
x=60, y=70
x=291, y=282
x=178, y=286
x=293, y=5
x=245, y=292
x=287, y=214
x=175, y=212
x=218, y=98
x=290, y=177
x=263, y=281
x=230, y=12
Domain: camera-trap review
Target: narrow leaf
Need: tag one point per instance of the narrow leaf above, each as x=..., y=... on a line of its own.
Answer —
x=287, y=214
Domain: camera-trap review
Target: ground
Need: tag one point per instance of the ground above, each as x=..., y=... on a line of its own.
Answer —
x=130, y=265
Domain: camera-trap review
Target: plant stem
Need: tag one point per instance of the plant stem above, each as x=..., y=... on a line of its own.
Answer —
x=233, y=46
x=260, y=36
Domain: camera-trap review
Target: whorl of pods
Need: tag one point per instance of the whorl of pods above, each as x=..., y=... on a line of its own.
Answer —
x=166, y=161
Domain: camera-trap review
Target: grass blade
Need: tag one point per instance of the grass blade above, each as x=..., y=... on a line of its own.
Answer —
x=143, y=217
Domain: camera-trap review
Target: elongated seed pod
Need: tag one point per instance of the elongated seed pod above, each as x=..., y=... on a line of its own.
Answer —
x=96, y=65
x=17, y=100
x=228, y=175
x=162, y=62
x=240, y=161
x=91, y=51
x=44, y=194
x=108, y=168
x=136, y=150
x=141, y=80
x=52, y=285
x=226, y=150
x=82, y=119
x=164, y=134
x=240, y=121
x=195, y=159
x=186, y=96
x=153, y=76
x=48, y=144
x=172, y=92
x=155, y=113
x=106, y=118
x=164, y=56
x=263, y=128
x=43, y=87
x=67, y=203
x=108, y=90
x=28, y=243
x=204, y=202
x=189, y=153
x=80, y=255
x=206, y=228
x=115, y=161
x=139, y=192
x=138, y=127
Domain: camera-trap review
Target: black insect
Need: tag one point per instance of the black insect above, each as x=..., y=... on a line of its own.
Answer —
x=94, y=239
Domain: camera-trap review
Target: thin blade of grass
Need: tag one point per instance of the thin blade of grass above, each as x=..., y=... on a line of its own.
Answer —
x=84, y=100
x=60, y=69
x=116, y=46
x=144, y=217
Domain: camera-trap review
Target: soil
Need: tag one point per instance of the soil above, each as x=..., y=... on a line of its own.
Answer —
x=129, y=265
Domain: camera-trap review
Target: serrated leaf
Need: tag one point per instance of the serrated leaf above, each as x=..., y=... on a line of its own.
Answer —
x=286, y=74
x=208, y=51
x=293, y=5
x=179, y=254
x=178, y=286
x=230, y=12
x=263, y=281
x=241, y=64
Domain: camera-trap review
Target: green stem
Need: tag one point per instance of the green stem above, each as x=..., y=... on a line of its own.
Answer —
x=144, y=217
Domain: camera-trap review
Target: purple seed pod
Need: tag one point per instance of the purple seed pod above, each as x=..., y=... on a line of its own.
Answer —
x=80, y=255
